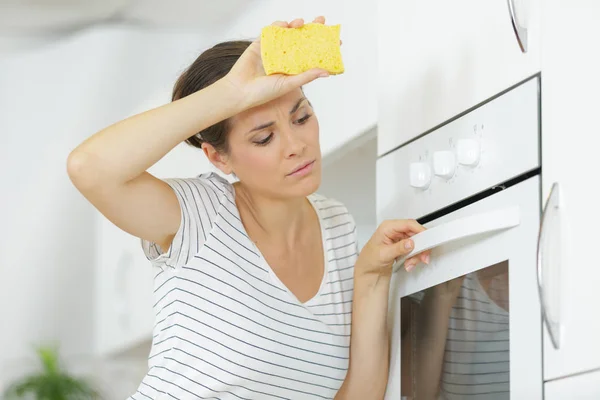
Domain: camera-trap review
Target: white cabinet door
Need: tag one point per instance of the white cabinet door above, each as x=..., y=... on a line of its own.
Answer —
x=580, y=387
x=346, y=105
x=438, y=58
x=570, y=87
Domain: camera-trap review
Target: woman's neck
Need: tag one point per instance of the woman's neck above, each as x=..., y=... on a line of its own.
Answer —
x=274, y=219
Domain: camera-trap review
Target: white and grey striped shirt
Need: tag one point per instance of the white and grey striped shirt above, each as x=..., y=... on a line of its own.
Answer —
x=477, y=357
x=476, y=364
x=226, y=327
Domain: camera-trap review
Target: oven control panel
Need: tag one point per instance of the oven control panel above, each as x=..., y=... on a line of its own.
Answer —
x=487, y=146
x=444, y=163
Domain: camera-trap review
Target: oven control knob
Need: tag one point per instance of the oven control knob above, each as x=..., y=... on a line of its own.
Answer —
x=420, y=175
x=468, y=152
x=444, y=164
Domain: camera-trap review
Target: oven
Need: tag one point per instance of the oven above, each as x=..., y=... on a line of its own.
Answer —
x=469, y=324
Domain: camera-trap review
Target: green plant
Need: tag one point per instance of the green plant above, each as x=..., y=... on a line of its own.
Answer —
x=52, y=382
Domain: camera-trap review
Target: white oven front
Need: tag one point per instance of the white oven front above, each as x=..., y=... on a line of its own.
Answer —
x=469, y=325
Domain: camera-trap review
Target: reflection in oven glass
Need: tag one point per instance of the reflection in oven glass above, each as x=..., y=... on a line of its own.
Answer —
x=455, y=338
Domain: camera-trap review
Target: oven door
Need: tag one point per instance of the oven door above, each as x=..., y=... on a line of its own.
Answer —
x=468, y=325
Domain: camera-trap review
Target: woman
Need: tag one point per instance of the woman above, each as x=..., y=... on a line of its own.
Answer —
x=258, y=284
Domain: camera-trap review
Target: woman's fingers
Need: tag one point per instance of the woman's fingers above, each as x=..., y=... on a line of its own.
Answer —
x=297, y=23
x=295, y=81
x=321, y=20
x=399, y=249
x=395, y=230
x=411, y=262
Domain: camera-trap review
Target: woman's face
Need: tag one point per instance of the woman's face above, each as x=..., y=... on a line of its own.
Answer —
x=274, y=148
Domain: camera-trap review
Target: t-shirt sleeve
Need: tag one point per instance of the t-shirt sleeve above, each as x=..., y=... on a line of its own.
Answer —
x=199, y=201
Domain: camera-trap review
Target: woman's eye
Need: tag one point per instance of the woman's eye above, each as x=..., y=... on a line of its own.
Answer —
x=303, y=119
x=264, y=141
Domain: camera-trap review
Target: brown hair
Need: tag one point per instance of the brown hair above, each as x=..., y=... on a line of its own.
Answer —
x=212, y=65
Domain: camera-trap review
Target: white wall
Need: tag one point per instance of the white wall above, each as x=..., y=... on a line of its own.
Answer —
x=20, y=43
x=350, y=178
x=50, y=100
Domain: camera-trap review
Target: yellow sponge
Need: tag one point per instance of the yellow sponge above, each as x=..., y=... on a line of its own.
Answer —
x=291, y=51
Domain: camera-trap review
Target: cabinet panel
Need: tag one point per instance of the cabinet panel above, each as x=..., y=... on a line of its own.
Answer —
x=439, y=58
x=570, y=87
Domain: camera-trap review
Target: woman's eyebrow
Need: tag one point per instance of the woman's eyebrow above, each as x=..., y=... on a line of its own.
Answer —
x=269, y=124
x=297, y=105
x=261, y=127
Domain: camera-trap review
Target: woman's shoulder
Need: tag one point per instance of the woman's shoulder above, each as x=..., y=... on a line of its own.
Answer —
x=201, y=198
x=217, y=181
x=208, y=182
x=325, y=202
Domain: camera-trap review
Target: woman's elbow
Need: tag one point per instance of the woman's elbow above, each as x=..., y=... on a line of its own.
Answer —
x=80, y=169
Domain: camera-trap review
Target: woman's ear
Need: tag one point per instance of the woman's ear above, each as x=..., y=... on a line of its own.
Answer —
x=218, y=159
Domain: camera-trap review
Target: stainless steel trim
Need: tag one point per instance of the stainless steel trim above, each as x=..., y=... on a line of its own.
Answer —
x=551, y=204
x=520, y=30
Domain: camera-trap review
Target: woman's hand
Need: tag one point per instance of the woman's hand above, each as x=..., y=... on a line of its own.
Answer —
x=390, y=241
x=370, y=342
x=248, y=76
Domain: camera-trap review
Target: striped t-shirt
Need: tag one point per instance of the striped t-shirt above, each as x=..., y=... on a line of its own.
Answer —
x=226, y=327
x=477, y=357
x=476, y=364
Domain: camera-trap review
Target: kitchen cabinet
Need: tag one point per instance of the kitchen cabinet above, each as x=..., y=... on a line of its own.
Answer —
x=439, y=58
x=346, y=104
x=579, y=387
x=570, y=87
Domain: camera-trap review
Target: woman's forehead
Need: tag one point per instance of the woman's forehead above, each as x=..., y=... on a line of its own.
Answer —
x=287, y=103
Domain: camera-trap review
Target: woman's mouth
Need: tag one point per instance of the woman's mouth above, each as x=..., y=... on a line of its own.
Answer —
x=303, y=169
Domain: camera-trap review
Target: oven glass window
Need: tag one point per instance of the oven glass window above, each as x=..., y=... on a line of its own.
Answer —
x=455, y=338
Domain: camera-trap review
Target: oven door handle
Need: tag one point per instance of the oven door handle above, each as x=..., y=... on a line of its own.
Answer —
x=463, y=228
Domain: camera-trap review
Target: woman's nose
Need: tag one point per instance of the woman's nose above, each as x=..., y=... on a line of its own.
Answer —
x=293, y=144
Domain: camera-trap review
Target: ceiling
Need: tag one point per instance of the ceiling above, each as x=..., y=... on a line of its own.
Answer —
x=34, y=17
